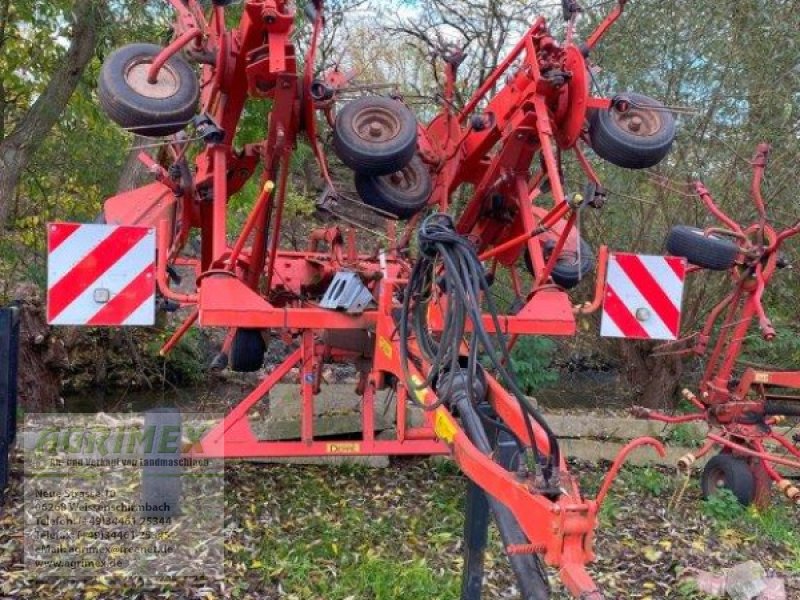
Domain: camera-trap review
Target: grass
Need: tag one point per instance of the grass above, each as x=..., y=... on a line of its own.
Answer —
x=776, y=523
x=685, y=434
x=351, y=533
x=609, y=511
x=646, y=480
x=326, y=544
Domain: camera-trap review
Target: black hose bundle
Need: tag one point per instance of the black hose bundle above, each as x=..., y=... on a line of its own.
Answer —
x=450, y=261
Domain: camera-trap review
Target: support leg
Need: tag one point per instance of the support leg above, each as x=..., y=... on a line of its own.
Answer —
x=476, y=533
x=528, y=568
x=9, y=350
x=307, y=387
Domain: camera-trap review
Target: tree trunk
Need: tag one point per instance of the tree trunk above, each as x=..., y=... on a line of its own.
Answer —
x=20, y=145
x=42, y=353
x=653, y=379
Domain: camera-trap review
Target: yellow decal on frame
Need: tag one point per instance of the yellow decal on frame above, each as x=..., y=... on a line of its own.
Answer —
x=344, y=448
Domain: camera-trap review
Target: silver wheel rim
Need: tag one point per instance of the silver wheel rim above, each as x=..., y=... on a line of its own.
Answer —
x=166, y=86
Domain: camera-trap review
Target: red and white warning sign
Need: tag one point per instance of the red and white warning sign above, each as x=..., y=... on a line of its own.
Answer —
x=643, y=297
x=100, y=274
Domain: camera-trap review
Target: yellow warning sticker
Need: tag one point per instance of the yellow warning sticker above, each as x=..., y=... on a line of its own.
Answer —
x=385, y=346
x=419, y=391
x=344, y=448
x=444, y=427
x=762, y=377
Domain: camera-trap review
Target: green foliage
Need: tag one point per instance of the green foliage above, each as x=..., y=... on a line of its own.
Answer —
x=687, y=589
x=445, y=467
x=77, y=164
x=775, y=523
x=684, y=406
x=326, y=542
x=184, y=364
x=531, y=360
x=723, y=507
x=299, y=202
x=609, y=511
x=781, y=353
x=684, y=434
x=646, y=479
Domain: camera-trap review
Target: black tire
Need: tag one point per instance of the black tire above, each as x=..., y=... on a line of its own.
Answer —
x=567, y=273
x=713, y=253
x=732, y=473
x=147, y=109
x=403, y=193
x=247, y=350
x=161, y=483
x=614, y=138
x=375, y=135
x=219, y=362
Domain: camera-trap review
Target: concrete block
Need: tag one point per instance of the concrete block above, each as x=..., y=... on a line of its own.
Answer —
x=595, y=450
x=337, y=411
x=615, y=428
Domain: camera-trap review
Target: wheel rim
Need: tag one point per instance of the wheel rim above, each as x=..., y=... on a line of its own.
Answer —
x=376, y=124
x=569, y=258
x=406, y=180
x=716, y=481
x=167, y=85
x=641, y=121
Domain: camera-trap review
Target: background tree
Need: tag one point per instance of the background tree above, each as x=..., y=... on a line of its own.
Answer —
x=734, y=65
x=32, y=124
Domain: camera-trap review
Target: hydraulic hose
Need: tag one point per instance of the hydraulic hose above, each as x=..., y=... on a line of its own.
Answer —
x=450, y=262
x=788, y=408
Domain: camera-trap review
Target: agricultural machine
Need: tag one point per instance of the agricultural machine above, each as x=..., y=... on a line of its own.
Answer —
x=741, y=406
x=415, y=314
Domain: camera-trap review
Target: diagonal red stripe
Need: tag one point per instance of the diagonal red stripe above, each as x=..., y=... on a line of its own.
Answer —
x=651, y=290
x=678, y=265
x=621, y=315
x=92, y=266
x=128, y=300
x=58, y=232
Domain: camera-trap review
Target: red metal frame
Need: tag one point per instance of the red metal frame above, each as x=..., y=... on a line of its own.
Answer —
x=737, y=412
x=540, y=111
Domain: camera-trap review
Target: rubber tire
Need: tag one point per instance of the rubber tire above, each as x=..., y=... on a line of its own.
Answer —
x=375, y=158
x=566, y=273
x=737, y=477
x=712, y=253
x=624, y=149
x=247, y=350
x=152, y=117
x=162, y=483
x=379, y=192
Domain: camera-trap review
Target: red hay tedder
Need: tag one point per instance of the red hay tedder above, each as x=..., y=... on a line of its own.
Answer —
x=741, y=408
x=413, y=320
